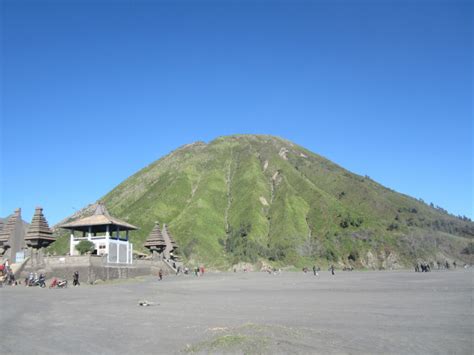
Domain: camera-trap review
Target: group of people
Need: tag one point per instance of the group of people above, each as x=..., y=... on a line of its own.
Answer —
x=427, y=267
x=422, y=267
x=198, y=271
x=317, y=269
x=7, y=277
x=33, y=279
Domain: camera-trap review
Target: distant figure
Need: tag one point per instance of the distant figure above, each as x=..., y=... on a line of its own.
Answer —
x=75, y=279
x=454, y=264
x=447, y=264
x=332, y=269
x=314, y=270
x=160, y=274
x=201, y=269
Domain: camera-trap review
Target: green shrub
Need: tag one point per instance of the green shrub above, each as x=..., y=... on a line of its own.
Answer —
x=469, y=250
x=85, y=246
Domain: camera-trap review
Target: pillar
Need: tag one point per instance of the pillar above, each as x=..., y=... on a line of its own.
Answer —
x=128, y=251
x=71, y=244
x=107, y=238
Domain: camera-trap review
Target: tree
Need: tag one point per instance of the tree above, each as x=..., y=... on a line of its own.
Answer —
x=85, y=246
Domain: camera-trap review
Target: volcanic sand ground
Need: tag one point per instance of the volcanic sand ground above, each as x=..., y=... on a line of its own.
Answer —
x=351, y=312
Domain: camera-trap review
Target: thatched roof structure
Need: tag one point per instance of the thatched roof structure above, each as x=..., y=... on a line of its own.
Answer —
x=98, y=222
x=168, y=235
x=39, y=235
x=171, y=246
x=12, y=236
x=9, y=227
x=155, y=240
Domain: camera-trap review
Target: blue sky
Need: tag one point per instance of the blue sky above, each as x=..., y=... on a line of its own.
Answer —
x=93, y=91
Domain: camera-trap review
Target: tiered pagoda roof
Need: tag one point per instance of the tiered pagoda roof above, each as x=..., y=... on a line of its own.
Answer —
x=9, y=227
x=39, y=234
x=155, y=240
x=98, y=221
x=172, y=242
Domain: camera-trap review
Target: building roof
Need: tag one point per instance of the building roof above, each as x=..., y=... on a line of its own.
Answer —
x=39, y=228
x=168, y=235
x=155, y=239
x=99, y=220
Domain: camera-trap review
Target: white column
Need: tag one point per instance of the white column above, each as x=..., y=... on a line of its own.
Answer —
x=128, y=250
x=89, y=234
x=71, y=244
x=107, y=238
x=131, y=253
x=118, y=251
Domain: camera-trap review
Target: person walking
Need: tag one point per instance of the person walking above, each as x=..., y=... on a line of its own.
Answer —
x=160, y=274
x=332, y=269
x=75, y=279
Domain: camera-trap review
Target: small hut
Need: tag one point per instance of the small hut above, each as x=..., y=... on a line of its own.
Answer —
x=39, y=235
x=109, y=234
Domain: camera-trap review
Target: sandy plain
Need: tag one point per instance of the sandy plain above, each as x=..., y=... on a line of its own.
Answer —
x=393, y=312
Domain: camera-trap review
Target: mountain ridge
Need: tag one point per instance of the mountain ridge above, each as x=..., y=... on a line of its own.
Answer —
x=263, y=198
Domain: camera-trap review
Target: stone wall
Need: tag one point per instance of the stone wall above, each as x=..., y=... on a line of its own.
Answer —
x=91, y=268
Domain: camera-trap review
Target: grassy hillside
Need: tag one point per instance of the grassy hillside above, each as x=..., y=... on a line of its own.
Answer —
x=251, y=198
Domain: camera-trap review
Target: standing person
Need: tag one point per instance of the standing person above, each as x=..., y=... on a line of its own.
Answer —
x=160, y=274
x=314, y=270
x=202, y=270
x=332, y=269
x=75, y=277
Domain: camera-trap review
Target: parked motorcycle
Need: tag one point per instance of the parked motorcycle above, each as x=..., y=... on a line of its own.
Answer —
x=58, y=283
x=40, y=281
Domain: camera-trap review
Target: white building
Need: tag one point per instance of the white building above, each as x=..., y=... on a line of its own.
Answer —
x=109, y=235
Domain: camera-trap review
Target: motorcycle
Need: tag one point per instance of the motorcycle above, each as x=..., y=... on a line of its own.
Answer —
x=58, y=283
x=40, y=281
